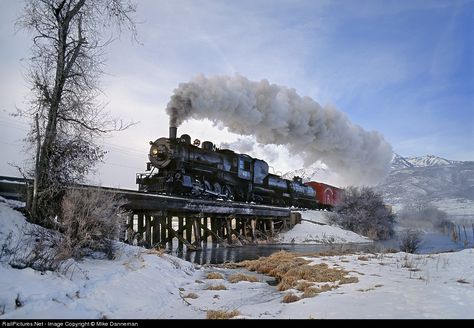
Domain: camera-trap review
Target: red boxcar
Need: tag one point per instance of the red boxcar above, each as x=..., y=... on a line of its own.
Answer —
x=326, y=195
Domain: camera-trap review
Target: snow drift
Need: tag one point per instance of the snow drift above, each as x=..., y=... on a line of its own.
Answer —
x=277, y=115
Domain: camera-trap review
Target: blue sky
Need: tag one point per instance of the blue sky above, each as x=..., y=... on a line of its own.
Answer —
x=403, y=68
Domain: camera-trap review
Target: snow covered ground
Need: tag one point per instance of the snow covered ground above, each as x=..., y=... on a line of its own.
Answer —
x=150, y=285
x=314, y=230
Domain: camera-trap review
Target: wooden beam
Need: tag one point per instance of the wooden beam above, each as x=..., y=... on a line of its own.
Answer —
x=173, y=233
x=156, y=230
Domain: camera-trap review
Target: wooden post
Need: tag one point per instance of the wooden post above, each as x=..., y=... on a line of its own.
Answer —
x=163, y=230
x=253, y=223
x=214, y=235
x=148, y=238
x=140, y=225
x=180, y=231
x=180, y=238
x=189, y=229
x=214, y=229
x=229, y=231
x=197, y=231
x=156, y=230
x=205, y=234
x=244, y=227
x=170, y=232
x=272, y=228
x=238, y=225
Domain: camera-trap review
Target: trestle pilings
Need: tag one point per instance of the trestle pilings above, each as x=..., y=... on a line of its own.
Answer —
x=162, y=229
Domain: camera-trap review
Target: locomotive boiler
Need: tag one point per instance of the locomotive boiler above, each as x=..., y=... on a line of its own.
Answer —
x=178, y=167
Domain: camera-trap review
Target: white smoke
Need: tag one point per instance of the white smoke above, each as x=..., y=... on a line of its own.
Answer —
x=247, y=145
x=277, y=115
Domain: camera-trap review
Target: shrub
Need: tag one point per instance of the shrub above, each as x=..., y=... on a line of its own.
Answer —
x=220, y=314
x=242, y=277
x=410, y=241
x=214, y=275
x=364, y=212
x=90, y=220
x=290, y=298
x=216, y=287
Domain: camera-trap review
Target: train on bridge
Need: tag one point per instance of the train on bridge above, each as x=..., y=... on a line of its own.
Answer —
x=178, y=167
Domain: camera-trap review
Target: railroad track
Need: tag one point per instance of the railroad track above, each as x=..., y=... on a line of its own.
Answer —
x=16, y=188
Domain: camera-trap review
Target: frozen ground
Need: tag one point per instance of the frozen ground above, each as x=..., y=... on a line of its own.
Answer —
x=314, y=230
x=143, y=284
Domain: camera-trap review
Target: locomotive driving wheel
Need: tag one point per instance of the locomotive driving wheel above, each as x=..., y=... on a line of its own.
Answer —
x=227, y=193
x=207, y=188
x=217, y=188
x=197, y=188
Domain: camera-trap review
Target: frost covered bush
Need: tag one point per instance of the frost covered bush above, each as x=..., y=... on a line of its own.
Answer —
x=36, y=248
x=410, y=241
x=90, y=221
x=363, y=211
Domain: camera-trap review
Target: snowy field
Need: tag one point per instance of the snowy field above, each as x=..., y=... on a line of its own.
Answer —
x=314, y=230
x=146, y=284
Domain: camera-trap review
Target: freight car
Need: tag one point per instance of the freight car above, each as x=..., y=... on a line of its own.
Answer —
x=179, y=167
x=327, y=196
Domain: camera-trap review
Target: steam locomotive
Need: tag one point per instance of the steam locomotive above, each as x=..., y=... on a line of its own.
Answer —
x=179, y=167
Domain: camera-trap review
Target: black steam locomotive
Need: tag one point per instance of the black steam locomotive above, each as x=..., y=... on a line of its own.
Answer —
x=179, y=167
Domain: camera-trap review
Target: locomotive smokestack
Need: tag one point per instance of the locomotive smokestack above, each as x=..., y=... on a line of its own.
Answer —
x=173, y=131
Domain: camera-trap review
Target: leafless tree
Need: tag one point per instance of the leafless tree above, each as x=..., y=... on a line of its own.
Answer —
x=69, y=38
x=363, y=211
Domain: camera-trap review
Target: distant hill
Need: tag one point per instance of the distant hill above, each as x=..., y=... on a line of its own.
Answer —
x=315, y=172
x=447, y=184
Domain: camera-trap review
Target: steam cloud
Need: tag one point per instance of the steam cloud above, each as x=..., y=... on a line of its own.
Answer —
x=277, y=115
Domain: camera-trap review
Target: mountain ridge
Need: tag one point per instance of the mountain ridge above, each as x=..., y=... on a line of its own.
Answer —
x=447, y=184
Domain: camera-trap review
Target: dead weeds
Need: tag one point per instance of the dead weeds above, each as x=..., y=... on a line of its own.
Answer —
x=292, y=271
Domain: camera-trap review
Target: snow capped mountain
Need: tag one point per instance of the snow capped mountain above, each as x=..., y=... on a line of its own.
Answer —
x=310, y=173
x=399, y=162
x=447, y=184
x=428, y=160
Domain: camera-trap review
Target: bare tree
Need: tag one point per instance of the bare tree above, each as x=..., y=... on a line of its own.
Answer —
x=69, y=37
x=363, y=211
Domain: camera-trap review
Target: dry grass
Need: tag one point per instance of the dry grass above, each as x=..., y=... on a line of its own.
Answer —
x=295, y=272
x=242, y=277
x=348, y=280
x=220, y=314
x=216, y=287
x=303, y=285
x=363, y=258
x=313, y=291
x=214, y=275
x=290, y=298
x=191, y=295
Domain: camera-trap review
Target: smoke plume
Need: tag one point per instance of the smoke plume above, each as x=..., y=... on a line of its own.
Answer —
x=277, y=115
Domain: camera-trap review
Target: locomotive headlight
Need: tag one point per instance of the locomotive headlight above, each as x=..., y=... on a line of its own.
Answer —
x=154, y=151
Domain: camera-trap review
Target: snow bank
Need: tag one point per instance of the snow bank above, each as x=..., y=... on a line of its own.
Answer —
x=314, y=230
x=399, y=285
x=12, y=222
x=137, y=284
x=148, y=285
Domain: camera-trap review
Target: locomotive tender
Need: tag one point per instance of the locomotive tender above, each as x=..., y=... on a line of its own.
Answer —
x=179, y=167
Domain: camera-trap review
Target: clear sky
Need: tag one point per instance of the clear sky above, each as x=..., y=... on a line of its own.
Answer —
x=404, y=68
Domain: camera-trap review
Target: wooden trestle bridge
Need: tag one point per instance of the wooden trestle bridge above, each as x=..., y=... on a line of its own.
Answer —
x=156, y=220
